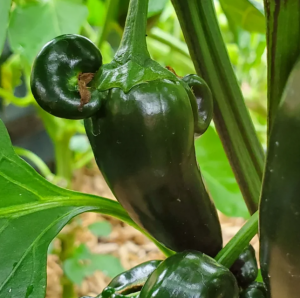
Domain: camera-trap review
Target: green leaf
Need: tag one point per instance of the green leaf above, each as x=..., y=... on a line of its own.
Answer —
x=32, y=212
x=84, y=263
x=4, y=10
x=218, y=175
x=97, y=10
x=101, y=228
x=34, y=24
x=244, y=14
x=156, y=7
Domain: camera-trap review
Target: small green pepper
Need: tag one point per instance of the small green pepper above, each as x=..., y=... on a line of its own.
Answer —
x=245, y=267
x=254, y=290
x=199, y=93
x=132, y=281
x=61, y=73
x=190, y=274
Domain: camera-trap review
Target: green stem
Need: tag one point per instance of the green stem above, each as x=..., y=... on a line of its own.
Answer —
x=37, y=161
x=67, y=247
x=169, y=40
x=88, y=31
x=84, y=160
x=20, y=102
x=111, y=9
x=236, y=245
x=63, y=159
x=203, y=36
x=133, y=44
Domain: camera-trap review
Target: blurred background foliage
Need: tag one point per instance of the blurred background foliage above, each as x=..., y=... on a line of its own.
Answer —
x=57, y=147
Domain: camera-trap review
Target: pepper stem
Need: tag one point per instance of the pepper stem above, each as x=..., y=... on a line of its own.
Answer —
x=133, y=44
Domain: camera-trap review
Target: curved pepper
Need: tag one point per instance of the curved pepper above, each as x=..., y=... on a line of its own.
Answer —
x=132, y=280
x=254, y=290
x=203, y=105
x=280, y=205
x=61, y=73
x=245, y=267
x=142, y=137
x=190, y=274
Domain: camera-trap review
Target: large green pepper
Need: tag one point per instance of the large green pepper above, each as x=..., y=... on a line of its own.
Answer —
x=280, y=204
x=140, y=119
x=245, y=267
x=190, y=274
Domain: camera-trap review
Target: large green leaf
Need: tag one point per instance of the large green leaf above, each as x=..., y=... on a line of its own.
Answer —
x=34, y=24
x=32, y=212
x=218, y=175
x=244, y=14
x=4, y=11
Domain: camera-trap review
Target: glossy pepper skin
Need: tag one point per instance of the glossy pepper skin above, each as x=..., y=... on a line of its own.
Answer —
x=254, y=290
x=132, y=280
x=144, y=147
x=142, y=135
x=190, y=274
x=199, y=93
x=245, y=267
x=280, y=204
x=55, y=74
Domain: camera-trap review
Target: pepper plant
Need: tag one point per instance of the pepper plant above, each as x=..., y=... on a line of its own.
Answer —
x=154, y=174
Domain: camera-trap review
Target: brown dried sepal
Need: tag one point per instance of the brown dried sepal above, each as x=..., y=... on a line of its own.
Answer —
x=171, y=69
x=85, y=94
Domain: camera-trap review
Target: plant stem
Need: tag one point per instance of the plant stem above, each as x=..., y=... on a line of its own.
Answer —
x=36, y=160
x=63, y=159
x=236, y=245
x=283, y=44
x=84, y=159
x=67, y=247
x=133, y=43
x=202, y=33
x=111, y=9
x=17, y=101
x=169, y=40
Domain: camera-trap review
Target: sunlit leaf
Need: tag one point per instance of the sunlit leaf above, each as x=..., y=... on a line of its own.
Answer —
x=244, y=14
x=34, y=24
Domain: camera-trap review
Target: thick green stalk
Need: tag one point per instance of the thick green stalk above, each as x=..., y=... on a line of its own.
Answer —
x=133, y=44
x=202, y=33
x=283, y=44
x=235, y=246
